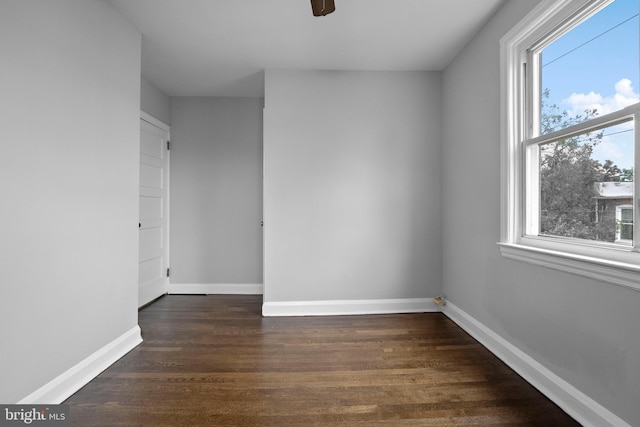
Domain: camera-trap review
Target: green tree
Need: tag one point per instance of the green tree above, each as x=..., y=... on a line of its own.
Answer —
x=567, y=176
x=626, y=175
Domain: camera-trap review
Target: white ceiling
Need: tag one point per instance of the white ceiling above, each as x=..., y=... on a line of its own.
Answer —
x=221, y=47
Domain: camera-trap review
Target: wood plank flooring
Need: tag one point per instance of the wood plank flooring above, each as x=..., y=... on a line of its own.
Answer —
x=214, y=361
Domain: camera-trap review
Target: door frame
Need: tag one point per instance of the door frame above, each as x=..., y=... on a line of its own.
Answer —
x=166, y=223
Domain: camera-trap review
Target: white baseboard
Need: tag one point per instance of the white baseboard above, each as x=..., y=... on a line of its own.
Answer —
x=574, y=402
x=348, y=307
x=215, y=288
x=62, y=387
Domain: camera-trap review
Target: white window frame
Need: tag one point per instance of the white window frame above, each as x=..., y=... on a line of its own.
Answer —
x=607, y=262
x=619, y=209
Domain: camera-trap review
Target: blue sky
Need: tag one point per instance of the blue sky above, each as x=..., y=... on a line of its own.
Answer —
x=587, y=69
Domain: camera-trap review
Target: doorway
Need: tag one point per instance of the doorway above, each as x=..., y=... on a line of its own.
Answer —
x=153, y=225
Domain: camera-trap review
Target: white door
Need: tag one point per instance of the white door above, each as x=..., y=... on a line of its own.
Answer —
x=153, y=226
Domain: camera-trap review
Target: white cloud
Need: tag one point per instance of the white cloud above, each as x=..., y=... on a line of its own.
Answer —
x=624, y=87
x=625, y=95
x=617, y=147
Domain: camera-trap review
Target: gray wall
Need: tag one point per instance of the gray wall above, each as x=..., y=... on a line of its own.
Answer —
x=70, y=84
x=155, y=102
x=216, y=190
x=584, y=331
x=352, y=185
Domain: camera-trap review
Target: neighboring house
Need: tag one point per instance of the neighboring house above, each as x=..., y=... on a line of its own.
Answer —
x=614, y=209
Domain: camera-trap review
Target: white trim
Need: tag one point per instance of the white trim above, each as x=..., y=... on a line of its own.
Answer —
x=619, y=209
x=613, y=272
x=157, y=123
x=63, y=386
x=598, y=260
x=348, y=307
x=546, y=16
x=574, y=402
x=216, y=288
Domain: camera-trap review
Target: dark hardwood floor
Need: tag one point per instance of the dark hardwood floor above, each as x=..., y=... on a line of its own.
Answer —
x=214, y=361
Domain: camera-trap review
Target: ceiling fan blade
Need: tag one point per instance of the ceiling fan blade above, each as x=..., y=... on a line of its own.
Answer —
x=322, y=7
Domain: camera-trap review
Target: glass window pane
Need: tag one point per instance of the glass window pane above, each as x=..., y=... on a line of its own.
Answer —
x=592, y=70
x=584, y=180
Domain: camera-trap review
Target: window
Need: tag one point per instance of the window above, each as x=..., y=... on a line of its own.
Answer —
x=571, y=131
x=624, y=224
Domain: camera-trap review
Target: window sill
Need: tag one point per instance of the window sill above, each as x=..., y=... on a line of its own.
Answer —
x=622, y=273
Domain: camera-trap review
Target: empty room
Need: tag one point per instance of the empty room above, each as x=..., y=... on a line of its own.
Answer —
x=325, y=212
